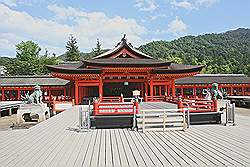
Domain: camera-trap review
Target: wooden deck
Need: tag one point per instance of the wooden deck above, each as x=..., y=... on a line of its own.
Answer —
x=55, y=143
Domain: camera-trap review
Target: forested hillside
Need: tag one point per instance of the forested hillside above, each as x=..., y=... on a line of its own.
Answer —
x=227, y=52
x=221, y=53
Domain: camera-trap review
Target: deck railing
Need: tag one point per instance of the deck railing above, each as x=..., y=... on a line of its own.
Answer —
x=196, y=104
x=154, y=98
x=111, y=99
x=117, y=108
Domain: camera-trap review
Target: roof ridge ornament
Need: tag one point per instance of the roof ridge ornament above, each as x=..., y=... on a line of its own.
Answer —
x=124, y=39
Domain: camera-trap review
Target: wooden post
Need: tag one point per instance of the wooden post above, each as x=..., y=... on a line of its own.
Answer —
x=194, y=91
x=168, y=90
x=215, y=102
x=231, y=91
x=146, y=88
x=146, y=97
x=18, y=94
x=182, y=94
x=76, y=93
x=151, y=88
x=64, y=91
x=243, y=91
x=3, y=98
x=180, y=104
x=154, y=93
x=137, y=106
x=95, y=107
x=173, y=88
x=160, y=90
x=100, y=88
x=142, y=89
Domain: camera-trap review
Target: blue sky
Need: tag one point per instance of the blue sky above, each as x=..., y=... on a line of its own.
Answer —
x=50, y=22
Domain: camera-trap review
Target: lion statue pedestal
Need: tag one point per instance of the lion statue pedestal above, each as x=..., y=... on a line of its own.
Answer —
x=26, y=111
x=34, y=107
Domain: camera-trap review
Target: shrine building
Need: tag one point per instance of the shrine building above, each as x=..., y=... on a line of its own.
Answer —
x=120, y=71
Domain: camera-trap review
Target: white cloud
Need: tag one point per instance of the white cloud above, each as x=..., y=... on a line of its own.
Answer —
x=9, y=2
x=50, y=33
x=154, y=17
x=14, y=3
x=207, y=3
x=192, y=4
x=183, y=4
x=146, y=5
x=177, y=27
x=159, y=32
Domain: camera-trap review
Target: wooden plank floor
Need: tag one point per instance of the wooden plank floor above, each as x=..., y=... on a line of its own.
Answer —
x=55, y=143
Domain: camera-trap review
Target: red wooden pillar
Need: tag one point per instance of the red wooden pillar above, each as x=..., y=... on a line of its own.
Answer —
x=72, y=90
x=243, y=91
x=69, y=90
x=18, y=94
x=160, y=90
x=154, y=94
x=194, y=91
x=231, y=90
x=84, y=91
x=76, y=93
x=142, y=89
x=64, y=91
x=168, y=90
x=146, y=88
x=182, y=92
x=100, y=88
x=3, y=96
x=173, y=88
x=151, y=88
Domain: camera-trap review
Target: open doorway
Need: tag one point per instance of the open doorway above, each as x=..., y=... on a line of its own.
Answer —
x=125, y=88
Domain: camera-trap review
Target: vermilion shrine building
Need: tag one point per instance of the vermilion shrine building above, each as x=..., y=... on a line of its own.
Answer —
x=120, y=71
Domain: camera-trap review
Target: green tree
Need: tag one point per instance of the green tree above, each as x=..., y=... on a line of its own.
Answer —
x=98, y=50
x=28, y=61
x=73, y=52
x=27, y=51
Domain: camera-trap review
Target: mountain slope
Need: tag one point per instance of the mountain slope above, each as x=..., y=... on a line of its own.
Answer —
x=227, y=52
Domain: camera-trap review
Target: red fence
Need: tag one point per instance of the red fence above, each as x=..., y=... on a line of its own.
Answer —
x=111, y=99
x=198, y=105
x=194, y=103
x=114, y=107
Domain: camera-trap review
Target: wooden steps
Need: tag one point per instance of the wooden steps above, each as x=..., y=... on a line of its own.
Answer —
x=161, y=120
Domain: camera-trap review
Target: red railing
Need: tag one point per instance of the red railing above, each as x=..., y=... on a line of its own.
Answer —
x=198, y=105
x=111, y=99
x=115, y=108
x=195, y=104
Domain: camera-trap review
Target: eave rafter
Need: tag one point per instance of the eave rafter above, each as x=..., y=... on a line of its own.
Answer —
x=76, y=76
x=173, y=76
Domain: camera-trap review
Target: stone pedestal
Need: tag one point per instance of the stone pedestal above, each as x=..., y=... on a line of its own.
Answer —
x=40, y=109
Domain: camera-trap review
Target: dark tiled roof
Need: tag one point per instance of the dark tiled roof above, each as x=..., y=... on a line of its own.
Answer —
x=178, y=68
x=72, y=68
x=126, y=62
x=42, y=80
x=212, y=78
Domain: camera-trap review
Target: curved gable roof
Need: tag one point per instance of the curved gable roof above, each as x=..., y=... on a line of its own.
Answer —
x=120, y=46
